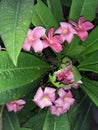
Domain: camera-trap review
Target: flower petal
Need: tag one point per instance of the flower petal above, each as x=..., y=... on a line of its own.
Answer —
x=39, y=94
x=87, y=25
x=38, y=32
x=26, y=45
x=61, y=92
x=50, y=33
x=73, y=23
x=37, y=45
x=83, y=35
x=81, y=20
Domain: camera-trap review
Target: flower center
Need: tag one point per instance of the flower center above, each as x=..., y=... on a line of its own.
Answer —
x=51, y=41
x=66, y=99
x=45, y=98
x=31, y=38
x=14, y=105
x=59, y=108
x=79, y=26
x=65, y=31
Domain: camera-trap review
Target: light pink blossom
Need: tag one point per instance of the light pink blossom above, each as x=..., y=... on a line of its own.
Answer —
x=44, y=98
x=65, y=97
x=16, y=105
x=54, y=42
x=33, y=39
x=82, y=27
x=75, y=85
x=66, y=31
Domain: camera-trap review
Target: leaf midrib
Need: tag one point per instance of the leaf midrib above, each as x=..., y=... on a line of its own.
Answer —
x=15, y=25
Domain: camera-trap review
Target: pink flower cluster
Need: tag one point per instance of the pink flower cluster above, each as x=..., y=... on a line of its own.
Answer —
x=15, y=105
x=38, y=40
x=47, y=98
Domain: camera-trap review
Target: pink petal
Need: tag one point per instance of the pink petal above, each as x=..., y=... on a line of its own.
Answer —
x=37, y=45
x=66, y=106
x=30, y=33
x=69, y=94
x=65, y=25
x=45, y=43
x=59, y=102
x=56, y=47
x=20, y=102
x=68, y=37
x=50, y=33
x=73, y=23
x=39, y=94
x=38, y=32
x=81, y=20
x=9, y=107
x=49, y=90
x=53, y=109
x=61, y=92
x=58, y=39
x=26, y=46
x=59, y=31
x=43, y=103
x=83, y=35
x=71, y=101
x=87, y=25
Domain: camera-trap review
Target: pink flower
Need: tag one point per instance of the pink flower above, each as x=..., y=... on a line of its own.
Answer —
x=63, y=103
x=16, y=105
x=44, y=98
x=65, y=97
x=66, y=76
x=57, y=110
x=82, y=27
x=52, y=41
x=33, y=39
x=66, y=31
x=76, y=84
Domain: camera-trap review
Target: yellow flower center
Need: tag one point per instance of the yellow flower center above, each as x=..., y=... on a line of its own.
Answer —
x=65, y=31
x=66, y=99
x=79, y=26
x=45, y=98
x=59, y=108
x=51, y=41
x=31, y=38
x=14, y=105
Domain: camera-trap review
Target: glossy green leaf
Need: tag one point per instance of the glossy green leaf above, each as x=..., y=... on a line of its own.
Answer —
x=67, y=2
x=74, y=49
x=80, y=114
x=56, y=9
x=24, y=129
x=56, y=122
x=91, y=68
x=87, y=8
x=10, y=121
x=29, y=69
x=43, y=16
x=15, y=19
x=36, y=122
x=91, y=44
x=16, y=93
x=91, y=59
x=91, y=89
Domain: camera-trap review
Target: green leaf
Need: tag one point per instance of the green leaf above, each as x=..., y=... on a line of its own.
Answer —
x=74, y=49
x=10, y=121
x=91, y=89
x=91, y=44
x=91, y=59
x=91, y=68
x=43, y=16
x=37, y=121
x=67, y=2
x=16, y=93
x=56, y=122
x=87, y=8
x=56, y=9
x=80, y=113
x=15, y=18
x=29, y=69
x=24, y=129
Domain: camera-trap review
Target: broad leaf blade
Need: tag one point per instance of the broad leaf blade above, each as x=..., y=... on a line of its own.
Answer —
x=43, y=16
x=87, y=8
x=91, y=89
x=56, y=123
x=56, y=9
x=16, y=93
x=29, y=68
x=15, y=19
x=10, y=121
x=91, y=44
